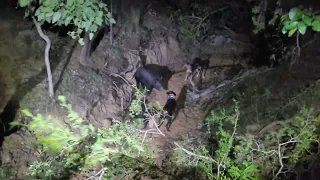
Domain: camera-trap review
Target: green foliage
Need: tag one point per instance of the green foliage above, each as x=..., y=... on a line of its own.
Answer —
x=5, y=172
x=296, y=20
x=85, y=15
x=243, y=173
x=299, y=19
x=78, y=145
x=246, y=157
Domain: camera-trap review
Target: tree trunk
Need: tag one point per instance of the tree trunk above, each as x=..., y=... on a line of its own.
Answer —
x=46, y=55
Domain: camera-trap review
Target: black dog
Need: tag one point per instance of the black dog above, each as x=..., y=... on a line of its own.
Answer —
x=170, y=108
x=148, y=80
x=198, y=66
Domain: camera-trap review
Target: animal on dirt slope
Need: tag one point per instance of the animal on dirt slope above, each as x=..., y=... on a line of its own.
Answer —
x=170, y=108
x=198, y=66
x=148, y=80
x=163, y=72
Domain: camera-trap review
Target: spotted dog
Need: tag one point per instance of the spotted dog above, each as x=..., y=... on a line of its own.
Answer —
x=198, y=66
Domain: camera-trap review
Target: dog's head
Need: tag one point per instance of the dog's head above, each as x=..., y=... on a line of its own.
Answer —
x=187, y=67
x=171, y=95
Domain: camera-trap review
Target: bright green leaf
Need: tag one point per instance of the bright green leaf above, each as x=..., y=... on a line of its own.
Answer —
x=38, y=11
x=290, y=25
x=284, y=30
x=24, y=3
x=294, y=13
x=284, y=17
x=70, y=2
x=63, y=13
x=93, y=28
x=98, y=21
x=307, y=20
x=56, y=17
x=49, y=14
x=26, y=112
x=302, y=28
x=62, y=99
x=316, y=26
x=91, y=36
x=67, y=20
x=41, y=17
x=81, y=41
x=112, y=21
x=292, y=31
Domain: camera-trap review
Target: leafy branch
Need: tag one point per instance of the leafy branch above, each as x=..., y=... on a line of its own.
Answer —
x=79, y=145
x=248, y=157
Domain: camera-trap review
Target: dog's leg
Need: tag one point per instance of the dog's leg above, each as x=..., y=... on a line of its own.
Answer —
x=197, y=71
x=187, y=74
x=203, y=72
x=161, y=120
x=168, y=125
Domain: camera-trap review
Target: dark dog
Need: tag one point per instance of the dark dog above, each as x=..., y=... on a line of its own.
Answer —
x=148, y=80
x=163, y=72
x=169, y=109
x=198, y=66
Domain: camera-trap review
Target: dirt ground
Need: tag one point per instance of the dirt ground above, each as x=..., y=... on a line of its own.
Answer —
x=185, y=122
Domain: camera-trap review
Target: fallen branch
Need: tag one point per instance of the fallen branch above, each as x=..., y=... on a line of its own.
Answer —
x=195, y=155
x=46, y=56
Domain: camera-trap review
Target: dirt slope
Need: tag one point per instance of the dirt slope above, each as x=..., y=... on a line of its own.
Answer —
x=184, y=124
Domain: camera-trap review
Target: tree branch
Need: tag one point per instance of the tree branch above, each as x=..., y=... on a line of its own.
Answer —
x=46, y=55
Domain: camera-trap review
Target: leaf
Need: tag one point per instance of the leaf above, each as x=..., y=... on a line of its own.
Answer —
x=284, y=30
x=26, y=112
x=41, y=16
x=284, y=17
x=91, y=36
x=255, y=9
x=24, y=3
x=38, y=11
x=80, y=41
x=292, y=31
x=80, y=1
x=317, y=18
x=307, y=20
x=62, y=99
x=290, y=25
x=112, y=21
x=67, y=20
x=302, y=28
x=98, y=21
x=293, y=13
x=56, y=16
x=70, y=2
x=316, y=26
x=307, y=12
x=63, y=13
x=49, y=14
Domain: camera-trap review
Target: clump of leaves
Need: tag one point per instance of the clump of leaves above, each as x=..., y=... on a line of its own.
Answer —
x=299, y=19
x=5, y=172
x=250, y=157
x=85, y=15
x=79, y=145
x=221, y=165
